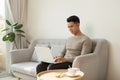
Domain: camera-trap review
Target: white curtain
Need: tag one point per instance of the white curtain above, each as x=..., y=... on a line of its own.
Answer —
x=16, y=14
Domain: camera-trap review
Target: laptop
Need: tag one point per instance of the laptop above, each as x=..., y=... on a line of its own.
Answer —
x=44, y=54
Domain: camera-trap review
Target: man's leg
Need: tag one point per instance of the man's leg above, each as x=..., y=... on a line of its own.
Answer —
x=63, y=65
x=42, y=67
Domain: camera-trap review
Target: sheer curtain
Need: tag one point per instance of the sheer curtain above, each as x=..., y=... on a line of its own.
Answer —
x=16, y=14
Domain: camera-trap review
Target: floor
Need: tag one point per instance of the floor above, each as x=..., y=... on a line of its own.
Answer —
x=8, y=78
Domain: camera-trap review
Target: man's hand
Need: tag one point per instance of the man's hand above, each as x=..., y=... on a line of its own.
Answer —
x=60, y=59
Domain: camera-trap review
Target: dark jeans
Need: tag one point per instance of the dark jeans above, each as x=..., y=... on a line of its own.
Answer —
x=44, y=66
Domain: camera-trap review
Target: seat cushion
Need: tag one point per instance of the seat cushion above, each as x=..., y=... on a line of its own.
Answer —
x=28, y=68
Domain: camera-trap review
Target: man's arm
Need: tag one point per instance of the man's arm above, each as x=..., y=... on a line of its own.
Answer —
x=86, y=47
x=62, y=59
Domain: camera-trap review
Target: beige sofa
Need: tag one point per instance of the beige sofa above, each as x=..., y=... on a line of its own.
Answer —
x=94, y=64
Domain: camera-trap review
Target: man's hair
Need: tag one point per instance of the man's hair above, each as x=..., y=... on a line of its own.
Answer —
x=74, y=19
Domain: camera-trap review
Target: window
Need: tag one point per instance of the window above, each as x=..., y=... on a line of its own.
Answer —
x=2, y=44
x=2, y=17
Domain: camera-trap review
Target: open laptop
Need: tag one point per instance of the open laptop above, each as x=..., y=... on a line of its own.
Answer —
x=44, y=54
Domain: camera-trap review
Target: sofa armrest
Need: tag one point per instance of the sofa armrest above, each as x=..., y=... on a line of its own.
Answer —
x=83, y=59
x=21, y=55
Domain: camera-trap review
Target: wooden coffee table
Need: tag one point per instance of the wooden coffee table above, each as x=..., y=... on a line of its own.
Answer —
x=59, y=74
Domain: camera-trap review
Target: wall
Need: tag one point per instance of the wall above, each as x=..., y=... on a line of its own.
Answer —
x=99, y=19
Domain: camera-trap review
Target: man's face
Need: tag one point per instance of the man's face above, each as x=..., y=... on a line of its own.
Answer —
x=73, y=27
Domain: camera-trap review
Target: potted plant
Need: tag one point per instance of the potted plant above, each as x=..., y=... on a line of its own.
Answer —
x=11, y=31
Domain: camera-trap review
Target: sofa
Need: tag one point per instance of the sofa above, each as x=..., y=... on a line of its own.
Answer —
x=94, y=64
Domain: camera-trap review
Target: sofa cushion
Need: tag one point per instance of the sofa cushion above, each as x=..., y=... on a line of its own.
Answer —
x=28, y=68
x=34, y=56
x=56, y=49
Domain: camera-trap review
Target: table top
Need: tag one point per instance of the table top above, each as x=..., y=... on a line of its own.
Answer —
x=59, y=74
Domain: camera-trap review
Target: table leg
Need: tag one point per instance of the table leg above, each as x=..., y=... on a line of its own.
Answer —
x=17, y=78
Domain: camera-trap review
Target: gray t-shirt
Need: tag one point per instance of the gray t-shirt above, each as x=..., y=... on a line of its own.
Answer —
x=76, y=46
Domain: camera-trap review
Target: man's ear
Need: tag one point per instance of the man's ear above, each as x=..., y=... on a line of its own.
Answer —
x=78, y=24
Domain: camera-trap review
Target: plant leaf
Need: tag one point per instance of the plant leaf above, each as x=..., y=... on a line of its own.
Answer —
x=6, y=29
x=15, y=24
x=5, y=38
x=11, y=36
x=21, y=31
x=19, y=26
x=8, y=22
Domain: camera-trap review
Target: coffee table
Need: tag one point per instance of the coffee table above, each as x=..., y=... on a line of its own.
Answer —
x=59, y=74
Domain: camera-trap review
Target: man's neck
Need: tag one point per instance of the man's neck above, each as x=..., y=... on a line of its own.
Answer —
x=78, y=34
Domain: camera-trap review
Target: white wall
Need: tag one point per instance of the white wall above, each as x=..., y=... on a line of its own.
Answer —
x=99, y=19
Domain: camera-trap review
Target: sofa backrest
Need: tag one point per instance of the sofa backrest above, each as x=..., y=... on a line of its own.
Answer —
x=94, y=43
x=56, y=46
x=51, y=41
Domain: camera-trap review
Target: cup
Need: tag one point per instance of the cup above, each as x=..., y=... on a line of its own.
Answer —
x=72, y=71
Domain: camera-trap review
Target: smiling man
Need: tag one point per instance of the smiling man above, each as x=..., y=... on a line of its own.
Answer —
x=76, y=45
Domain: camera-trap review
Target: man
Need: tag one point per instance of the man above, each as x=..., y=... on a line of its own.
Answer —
x=76, y=45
